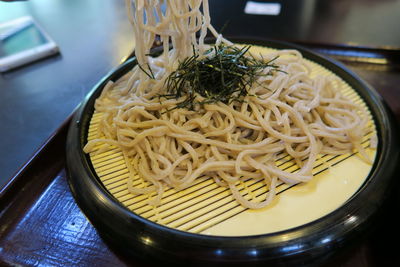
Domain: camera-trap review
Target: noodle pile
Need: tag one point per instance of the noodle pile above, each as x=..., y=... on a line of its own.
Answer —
x=285, y=112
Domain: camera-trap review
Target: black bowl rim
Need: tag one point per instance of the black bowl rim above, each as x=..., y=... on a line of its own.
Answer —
x=331, y=230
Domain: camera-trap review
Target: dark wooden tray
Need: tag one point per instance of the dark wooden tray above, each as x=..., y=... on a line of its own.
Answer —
x=40, y=223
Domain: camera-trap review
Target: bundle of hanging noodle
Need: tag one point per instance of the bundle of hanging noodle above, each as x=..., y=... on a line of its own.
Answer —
x=284, y=112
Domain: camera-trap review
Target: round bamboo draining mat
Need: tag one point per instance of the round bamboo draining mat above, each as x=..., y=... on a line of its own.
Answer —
x=306, y=222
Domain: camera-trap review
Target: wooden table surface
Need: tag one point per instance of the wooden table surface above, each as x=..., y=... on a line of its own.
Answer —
x=34, y=100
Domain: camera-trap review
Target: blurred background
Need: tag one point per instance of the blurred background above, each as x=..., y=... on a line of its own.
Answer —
x=357, y=22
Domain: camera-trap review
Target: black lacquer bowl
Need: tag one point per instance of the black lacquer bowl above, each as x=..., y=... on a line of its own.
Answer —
x=310, y=243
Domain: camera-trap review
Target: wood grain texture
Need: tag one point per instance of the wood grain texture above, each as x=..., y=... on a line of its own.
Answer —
x=54, y=232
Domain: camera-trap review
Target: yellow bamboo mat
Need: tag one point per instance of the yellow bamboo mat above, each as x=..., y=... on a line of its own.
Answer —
x=207, y=208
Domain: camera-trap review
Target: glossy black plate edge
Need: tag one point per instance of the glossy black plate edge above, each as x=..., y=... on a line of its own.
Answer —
x=306, y=241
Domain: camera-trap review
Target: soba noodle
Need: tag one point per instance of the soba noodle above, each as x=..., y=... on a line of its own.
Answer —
x=285, y=111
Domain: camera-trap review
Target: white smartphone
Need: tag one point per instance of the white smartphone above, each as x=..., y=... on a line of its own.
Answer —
x=23, y=41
